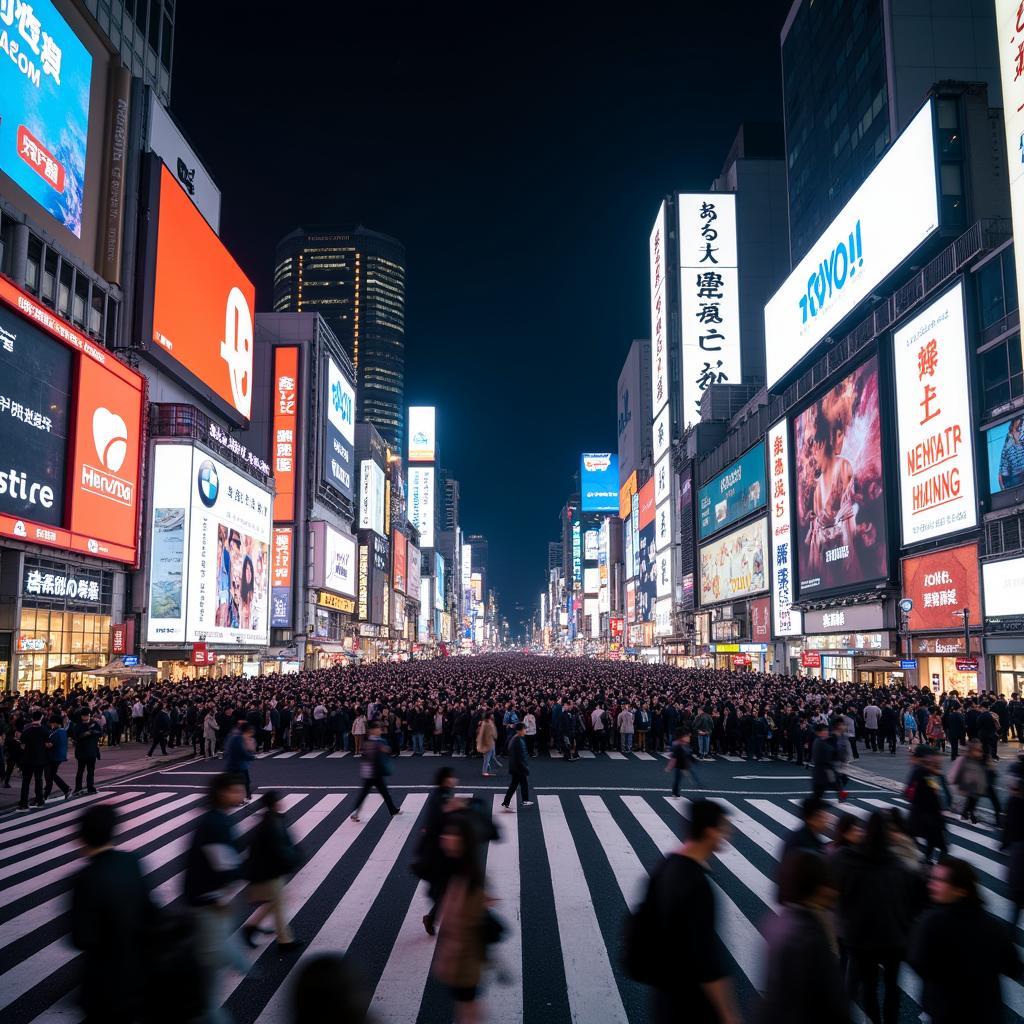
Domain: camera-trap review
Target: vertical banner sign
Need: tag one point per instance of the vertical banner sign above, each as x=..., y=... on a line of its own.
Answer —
x=788, y=621
x=281, y=578
x=1010, y=31
x=709, y=296
x=285, y=424
x=659, y=315
x=933, y=409
x=115, y=154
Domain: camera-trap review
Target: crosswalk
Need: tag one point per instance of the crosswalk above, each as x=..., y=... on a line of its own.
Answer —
x=609, y=755
x=563, y=873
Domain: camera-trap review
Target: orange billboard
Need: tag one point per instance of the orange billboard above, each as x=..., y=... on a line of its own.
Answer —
x=285, y=438
x=399, y=566
x=203, y=304
x=942, y=584
x=626, y=492
x=646, y=512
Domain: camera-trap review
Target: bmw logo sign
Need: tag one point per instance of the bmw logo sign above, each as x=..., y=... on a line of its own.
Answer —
x=208, y=483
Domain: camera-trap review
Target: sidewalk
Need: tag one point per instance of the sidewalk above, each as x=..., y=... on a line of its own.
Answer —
x=115, y=763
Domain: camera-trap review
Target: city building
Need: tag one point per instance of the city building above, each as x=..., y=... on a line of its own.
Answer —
x=854, y=73
x=633, y=411
x=355, y=279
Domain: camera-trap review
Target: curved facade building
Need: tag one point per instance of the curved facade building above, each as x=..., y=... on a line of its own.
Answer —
x=355, y=279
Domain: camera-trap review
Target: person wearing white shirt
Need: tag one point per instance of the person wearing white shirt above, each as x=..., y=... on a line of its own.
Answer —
x=872, y=716
x=597, y=723
x=531, y=732
x=625, y=724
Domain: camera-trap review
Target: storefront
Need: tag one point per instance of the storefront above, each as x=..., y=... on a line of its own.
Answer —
x=176, y=666
x=944, y=664
x=1004, y=623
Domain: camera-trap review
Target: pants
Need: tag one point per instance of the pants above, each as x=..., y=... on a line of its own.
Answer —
x=29, y=774
x=160, y=738
x=627, y=742
x=210, y=745
x=490, y=760
x=53, y=779
x=862, y=982
x=215, y=948
x=853, y=747
x=358, y=738
x=890, y=740
x=438, y=737
x=417, y=743
x=460, y=744
x=268, y=895
x=248, y=782
x=954, y=748
x=703, y=745
x=531, y=742
x=599, y=740
x=137, y=729
x=519, y=779
x=677, y=776
x=382, y=787
x=872, y=739
x=87, y=768
x=641, y=739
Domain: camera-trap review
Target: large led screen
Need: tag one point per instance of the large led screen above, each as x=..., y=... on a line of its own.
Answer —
x=339, y=430
x=599, y=481
x=842, y=540
x=421, y=502
x=735, y=565
x=45, y=81
x=1005, y=446
x=734, y=493
x=334, y=559
x=422, y=433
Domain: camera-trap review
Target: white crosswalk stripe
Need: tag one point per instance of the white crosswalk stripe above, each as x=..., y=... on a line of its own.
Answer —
x=603, y=837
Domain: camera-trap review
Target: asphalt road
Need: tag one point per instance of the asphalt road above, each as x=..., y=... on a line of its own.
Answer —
x=564, y=872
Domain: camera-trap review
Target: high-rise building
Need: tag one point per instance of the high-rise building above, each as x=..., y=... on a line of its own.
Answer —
x=633, y=409
x=450, y=513
x=554, y=555
x=854, y=74
x=478, y=543
x=355, y=279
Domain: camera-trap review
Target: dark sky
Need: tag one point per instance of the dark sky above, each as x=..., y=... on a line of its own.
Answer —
x=521, y=161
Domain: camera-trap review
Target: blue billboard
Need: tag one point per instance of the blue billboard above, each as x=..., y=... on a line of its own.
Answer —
x=44, y=108
x=1005, y=445
x=599, y=482
x=733, y=494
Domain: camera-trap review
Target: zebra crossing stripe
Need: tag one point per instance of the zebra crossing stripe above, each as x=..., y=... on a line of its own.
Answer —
x=338, y=753
x=629, y=873
x=57, y=811
x=591, y=987
x=352, y=909
x=503, y=883
x=614, y=755
x=763, y=837
x=286, y=753
x=779, y=814
x=585, y=753
x=642, y=755
x=960, y=831
x=70, y=816
x=312, y=753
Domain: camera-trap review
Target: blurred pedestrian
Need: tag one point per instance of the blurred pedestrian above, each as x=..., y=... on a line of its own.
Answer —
x=925, y=820
x=56, y=755
x=518, y=768
x=239, y=750
x=486, y=738
x=429, y=863
x=681, y=762
x=810, y=835
x=374, y=768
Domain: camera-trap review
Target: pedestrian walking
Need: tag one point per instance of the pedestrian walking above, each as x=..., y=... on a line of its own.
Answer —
x=33, y=759
x=272, y=858
x=86, y=737
x=872, y=716
x=209, y=732
x=429, y=863
x=925, y=821
x=486, y=738
x=374, y=768
x=824, y=775
x=810, y=834
x=161, y=729
x=626, y=726
x=56, y=755
x=956, y=729
x=681, y=761
x=518, y=768
x=239, y=750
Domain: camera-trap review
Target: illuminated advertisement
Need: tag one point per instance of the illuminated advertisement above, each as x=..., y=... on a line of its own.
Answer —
x=399, y=560
x=634, y=523
x=1010, y=34
x=45, y=81
x=422, y=433
x=840, y=490
x=663, y=526
x=414, y=561
x=202, y=309
x=645, y=507
x=661, y=433
x=663, y=617
x=591, y=545
x=659, y=314
x=599, y=481
x=663, y=572
x=709, y=296
x=371, y=497
x=339, y=430
x=333, y=559
x=788, y=621
x=627, y=546
x=70, y=434
x=879, y=227
x=941, y=584
x=210, y=554
x=647, y=578
x=1005, y=446
x=281, y=553
x=591, y=581
x=663, y=480
x=425, y=615
x=1004, y=588
x=631, y=601
x=438, y=581
x=421, y=502
x=284, y=430
x=733, y=566
x=577, y=554
x=626, y=492
x=933, y=412
x=733, y=494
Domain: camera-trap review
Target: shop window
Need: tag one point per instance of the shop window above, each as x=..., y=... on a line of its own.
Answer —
x=48, y=287
x=67, y=274
x=33, y=265
x=1002, y=373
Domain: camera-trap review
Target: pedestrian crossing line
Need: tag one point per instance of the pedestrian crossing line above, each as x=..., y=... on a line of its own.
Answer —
x=614, y=755
x=762, y=837
x=338, y=753
x=286, y=753
x=629, y=872
x=730, y=757
x=406, y=753
x=776, y=813
x=70, y=816
x=746, y=945
x=57, y=811
x=312, y=753
x=668, y=757
x=949, y=815
x=265, y=753
x=352, y=909
x=961, y=831
x=642, y=755
x=504, y=885
x=586, y=753
x=124, y=825
x=591, y=987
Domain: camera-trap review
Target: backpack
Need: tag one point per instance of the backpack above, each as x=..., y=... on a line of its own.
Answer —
x=642, y=952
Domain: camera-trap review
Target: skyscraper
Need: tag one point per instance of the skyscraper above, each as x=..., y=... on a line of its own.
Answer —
x=355, y=279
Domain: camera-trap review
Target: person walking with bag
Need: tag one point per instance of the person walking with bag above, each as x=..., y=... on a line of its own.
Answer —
x=518, y=768
x=374, y=768
x=429, y=863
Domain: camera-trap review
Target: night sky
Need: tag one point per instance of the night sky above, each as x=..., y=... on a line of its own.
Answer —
x=521, y=163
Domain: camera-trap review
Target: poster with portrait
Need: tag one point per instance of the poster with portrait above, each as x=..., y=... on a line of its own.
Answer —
x=1005, y=444
x=841, y=532
x=734, y=565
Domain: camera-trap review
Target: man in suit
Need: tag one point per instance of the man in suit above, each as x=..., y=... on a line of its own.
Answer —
x=161, y=729
x=33, y=759
x=87, y=751
x=518, y=768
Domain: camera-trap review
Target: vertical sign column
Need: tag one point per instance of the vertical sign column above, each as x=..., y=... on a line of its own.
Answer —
x=284, y=448
x=788, y=621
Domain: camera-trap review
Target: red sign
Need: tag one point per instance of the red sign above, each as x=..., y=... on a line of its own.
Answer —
x=119, y=638
x=941, y=584
x=741, y=660
x=615, y=628
x=761, y=619
x=646, y=512
x=202, y=655
x=285, y=437
x=281, y=558
x=967, y=664
x=399, y=561
x=40, y=159
x=810, y=659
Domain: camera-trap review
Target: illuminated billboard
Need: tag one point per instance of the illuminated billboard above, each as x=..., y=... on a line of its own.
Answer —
x=421, y=502
x=281, y=577
x=599, y=481
x=422, y=433
x=647, y=578
x=941, y=584
x=285, y=431
x=734, y=566
x=399, y=561
x=659, y=313
x=1010, y=35
x=371, y=496
x=339, y=430
x=1004, y=588
x=45, y=83
x=70, y=435
x=879, y=227
x=733, y=494
x=414, y=560
x=1005, y=446
x=933, y=415
x=788, y=621
x=840, y=487
x=333, y=558
x=209, y=572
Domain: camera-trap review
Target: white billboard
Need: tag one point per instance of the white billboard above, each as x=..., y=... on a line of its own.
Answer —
x=341, y=402
x=663, y=526
x=709, y=296
x=421, y=502
x=422, y=433
x=663, y=617
x=889, y=216
x=661, y=436
x=591, y=581
x=209, y=560
x=788, y=621
x=663, y=571
x=1004, y=588
x=663, y=480
x=371, y=497
x=339, y=562
x=659, y=314
x=933, y=413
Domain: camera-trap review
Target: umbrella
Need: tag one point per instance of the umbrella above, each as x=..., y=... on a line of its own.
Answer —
x=68, y=669
x=118, y=669
x=877, y=665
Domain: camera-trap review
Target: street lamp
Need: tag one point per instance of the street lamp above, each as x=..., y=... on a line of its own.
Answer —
x=966, y=613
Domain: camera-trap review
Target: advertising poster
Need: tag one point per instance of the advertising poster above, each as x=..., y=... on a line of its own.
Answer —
x=933, y=411
x=1004, y=588
x=334, y=559
x=788, y=621
x=599, y=481
x=941, y=584
x=647, y=580
x=45, y=82
x=733, y=566
x=591, y=580
x=339, y=431
x=1010, y=35
x=761, y=620
x=1005, y=445
x=840, y=491
x=371, y=497
x=284, y=440
x=171, y=471
x=414, y=558
x=734, y=493
x=399, y=568
x=422, y=433
x=663, y=526
x=591, y=545
x=421, y=502
x=631, y=601
x=645, y=505
x=626, y=492
x=659, y=314
x=282, y=552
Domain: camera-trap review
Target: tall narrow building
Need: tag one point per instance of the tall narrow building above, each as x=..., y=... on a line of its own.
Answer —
x=355, y=279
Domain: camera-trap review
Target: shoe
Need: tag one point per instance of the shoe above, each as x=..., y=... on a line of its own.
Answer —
x=428, y=924
x=488, y=775
x=396, y=811
x=20, y=808
x=527, y=803
x=249, y=935
x=290, y=947
x=78, y=792
x=507, y=809
x=67, y=794
x=355, y=818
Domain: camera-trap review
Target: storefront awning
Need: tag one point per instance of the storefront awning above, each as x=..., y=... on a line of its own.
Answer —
x=331, y=648
x=876, y=665
x=119, y=670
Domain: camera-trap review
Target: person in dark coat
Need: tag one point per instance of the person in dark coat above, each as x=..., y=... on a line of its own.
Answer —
x=161, y=729
x=56, y=755
x=808, y=837
x=956, y=729
x=111, y=910
x=888, y=727
x=272, y=857
x=960, y=951
x=986, y=729
x=823, y=755
x=33, y=759
x=518, y=768
x=87, y=735
x=803, y=984
x=239, y=750
x=374, y=769
x=429, y=863
x=925, y=820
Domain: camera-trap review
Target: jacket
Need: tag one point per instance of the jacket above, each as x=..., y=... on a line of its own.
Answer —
x=518, y=758
x=58, y=750
x=486, y=737
x=877, y=900
x=625, y=721
x=271, y=850
x=33, y=745
x=824, y=755
x=460, y=953
x=214, y=859
x=87, y=740
x=236, y=756
x=969, y=776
